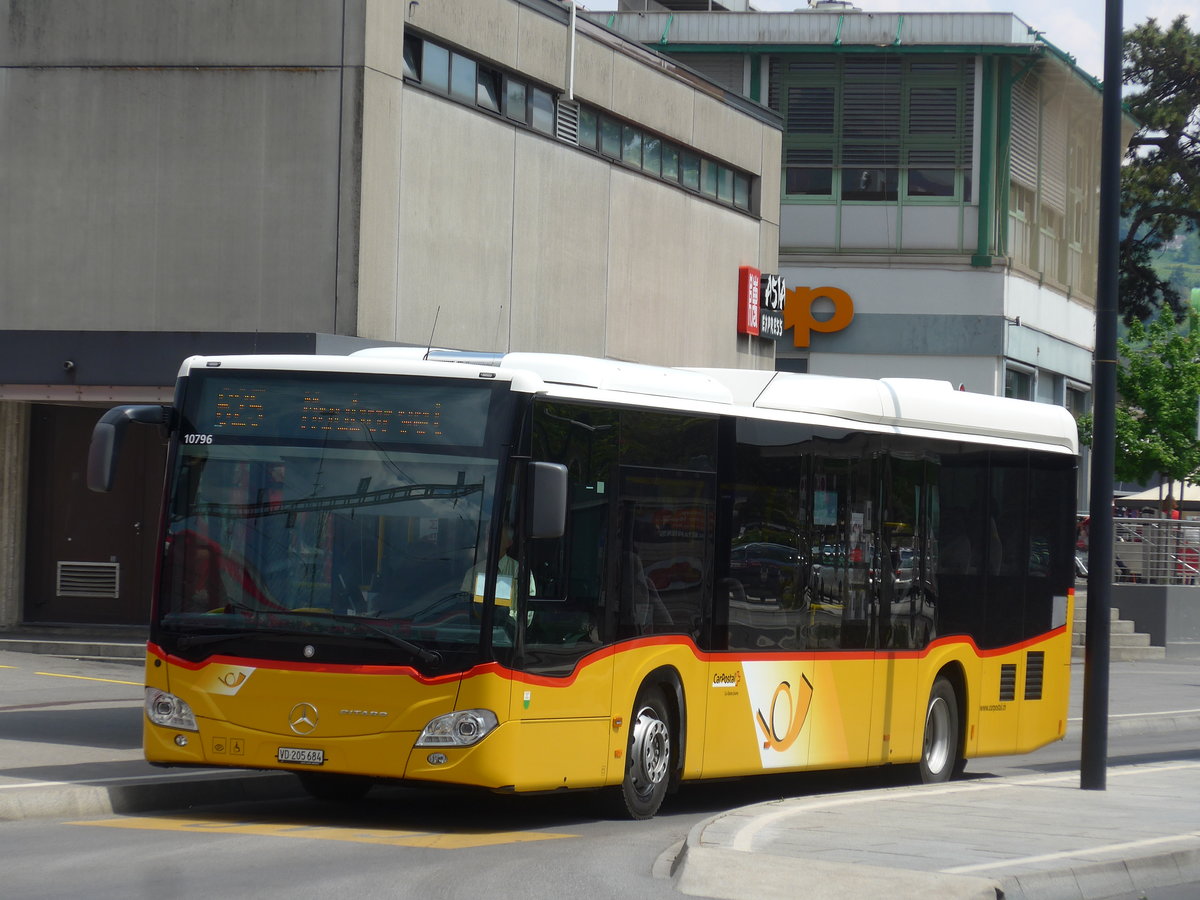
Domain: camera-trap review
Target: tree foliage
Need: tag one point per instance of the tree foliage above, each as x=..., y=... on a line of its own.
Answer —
x=1159, y=386
x=1160, y=181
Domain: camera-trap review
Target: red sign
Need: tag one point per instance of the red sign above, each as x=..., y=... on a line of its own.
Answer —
x=749, y=288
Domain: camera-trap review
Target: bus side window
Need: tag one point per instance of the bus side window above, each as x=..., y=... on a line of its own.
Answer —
x=567, y=618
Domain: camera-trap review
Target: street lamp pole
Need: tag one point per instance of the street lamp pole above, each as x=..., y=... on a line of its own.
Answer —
x=1094, y=750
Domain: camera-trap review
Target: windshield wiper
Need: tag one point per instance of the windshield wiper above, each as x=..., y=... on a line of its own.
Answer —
x=187, y=641
x=429, y=657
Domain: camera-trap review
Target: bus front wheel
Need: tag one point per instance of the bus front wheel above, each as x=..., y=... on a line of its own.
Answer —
x=648, y=755
x=941, y=757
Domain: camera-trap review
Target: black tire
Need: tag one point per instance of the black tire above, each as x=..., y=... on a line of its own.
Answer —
x=941, y=748
x=333, y=788
x=649, y=755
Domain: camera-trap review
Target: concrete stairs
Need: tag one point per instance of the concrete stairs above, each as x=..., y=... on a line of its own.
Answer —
x=1124, y=644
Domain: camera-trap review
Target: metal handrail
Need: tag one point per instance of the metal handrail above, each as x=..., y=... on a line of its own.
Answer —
x=1156, y=551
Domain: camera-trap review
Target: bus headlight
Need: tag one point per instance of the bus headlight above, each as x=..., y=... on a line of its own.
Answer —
x=458, y=729
x=168, y=710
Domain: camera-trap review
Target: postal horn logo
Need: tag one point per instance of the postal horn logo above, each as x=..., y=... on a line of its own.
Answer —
x=785, y=716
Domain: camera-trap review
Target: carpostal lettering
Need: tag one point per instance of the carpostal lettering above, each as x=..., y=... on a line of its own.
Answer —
x=722, y=679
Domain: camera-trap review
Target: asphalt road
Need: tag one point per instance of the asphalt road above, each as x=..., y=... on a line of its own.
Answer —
x=398, y=842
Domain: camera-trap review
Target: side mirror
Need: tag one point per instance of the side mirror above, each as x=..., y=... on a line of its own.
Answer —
x=547, y=506
x=104, y=451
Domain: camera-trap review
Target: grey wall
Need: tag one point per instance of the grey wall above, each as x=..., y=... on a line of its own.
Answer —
x=171, y=166
x=261, y=167
x=1170, y=614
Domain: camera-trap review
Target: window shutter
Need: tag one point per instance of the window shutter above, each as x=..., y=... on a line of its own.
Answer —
x=810, y=110
x=1054, y=162
x=871, y=111
x=1024, y=154
x=933, y=111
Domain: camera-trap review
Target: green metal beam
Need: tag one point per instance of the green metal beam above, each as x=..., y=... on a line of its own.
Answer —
x=921, y=49
x=987, y=167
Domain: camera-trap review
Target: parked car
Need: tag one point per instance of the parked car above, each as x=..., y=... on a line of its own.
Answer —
x=763, y=569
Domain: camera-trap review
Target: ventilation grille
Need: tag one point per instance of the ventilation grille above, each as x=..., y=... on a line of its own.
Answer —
x=566, y=125
x=88, y=579
x=1008, y=682
x=1035, y=664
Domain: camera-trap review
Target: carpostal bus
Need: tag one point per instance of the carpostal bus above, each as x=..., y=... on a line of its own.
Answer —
x=529, y=572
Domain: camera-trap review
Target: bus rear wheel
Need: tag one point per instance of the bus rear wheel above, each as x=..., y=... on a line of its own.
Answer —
x=941, y=756
x=649, y=755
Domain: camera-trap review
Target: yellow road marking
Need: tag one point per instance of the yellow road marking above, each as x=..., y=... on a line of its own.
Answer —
x=86, y=678
x=390, y=837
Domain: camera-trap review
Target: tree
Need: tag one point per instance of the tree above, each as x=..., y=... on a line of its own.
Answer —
x=1158, y=384
x=1160, y=181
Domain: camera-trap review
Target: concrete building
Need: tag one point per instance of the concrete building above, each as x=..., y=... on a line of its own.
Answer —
x=939, y=190
x=194, y=176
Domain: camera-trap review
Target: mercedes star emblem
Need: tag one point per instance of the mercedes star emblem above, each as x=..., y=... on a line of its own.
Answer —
x=303, y=718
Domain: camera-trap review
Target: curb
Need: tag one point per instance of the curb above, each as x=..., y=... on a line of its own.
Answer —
x=1105, y=880
x=726, y=874
x=38, y=800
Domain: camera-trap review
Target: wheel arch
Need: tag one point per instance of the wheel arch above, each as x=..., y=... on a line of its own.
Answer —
x=667, y=680
x=954, y=673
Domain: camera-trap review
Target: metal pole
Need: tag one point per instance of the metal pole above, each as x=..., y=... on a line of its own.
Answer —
x=1094, y=752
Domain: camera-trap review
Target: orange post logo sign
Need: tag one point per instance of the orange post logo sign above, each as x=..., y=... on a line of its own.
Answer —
x=798, y=312
x=794, y=711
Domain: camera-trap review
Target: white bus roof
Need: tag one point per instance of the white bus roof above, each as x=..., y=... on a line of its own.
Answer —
x=913, y=406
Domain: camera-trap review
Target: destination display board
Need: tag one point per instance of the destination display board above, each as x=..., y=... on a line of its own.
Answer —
x=320, y=407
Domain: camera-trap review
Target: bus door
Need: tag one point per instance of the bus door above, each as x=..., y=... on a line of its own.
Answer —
x=562, y=688
x=905, y=604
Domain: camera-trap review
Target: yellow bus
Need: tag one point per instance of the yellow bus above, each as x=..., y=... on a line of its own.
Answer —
x=532, y=572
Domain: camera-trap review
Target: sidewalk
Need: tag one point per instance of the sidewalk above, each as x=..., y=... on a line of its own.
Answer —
x=1037, y=838
x=77, y=752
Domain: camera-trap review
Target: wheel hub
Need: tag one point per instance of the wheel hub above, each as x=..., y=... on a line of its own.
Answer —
x=651, y=751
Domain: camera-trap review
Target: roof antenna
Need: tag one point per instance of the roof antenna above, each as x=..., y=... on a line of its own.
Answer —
x=429, y=347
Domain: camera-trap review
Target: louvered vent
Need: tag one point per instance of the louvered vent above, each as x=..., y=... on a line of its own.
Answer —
x=1025, y=137
x=1035, y=665
x=810, y=110
x=566, y=125
x=88, y=579
x=1008, y=682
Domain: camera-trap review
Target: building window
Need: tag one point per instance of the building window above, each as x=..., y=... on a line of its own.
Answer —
x=515, y=106
x=463, y=83
x=875, y=127
x=435, y=67
x=1018, y=383
x=631, y=145
x=587, y=128
x=487, y=90
x=652, y=155
x=412, y=57
x=1076, y=401
x=610, y=137
x=485, y=87
x=543, y=111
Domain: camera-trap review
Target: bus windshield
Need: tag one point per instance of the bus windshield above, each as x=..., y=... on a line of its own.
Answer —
x=345, y=510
